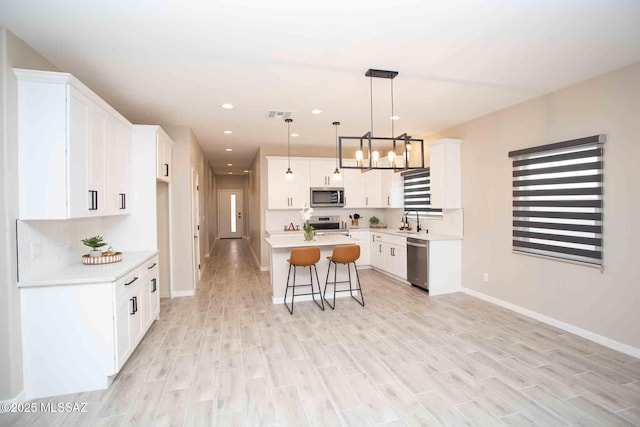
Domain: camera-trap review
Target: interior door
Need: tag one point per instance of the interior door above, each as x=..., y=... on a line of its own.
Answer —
x=195, y=225
x=230, y=214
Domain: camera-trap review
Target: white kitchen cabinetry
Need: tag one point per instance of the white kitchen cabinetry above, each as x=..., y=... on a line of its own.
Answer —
x=284, y=194
x=392, y=189
x=73, y=149
x=389, y=254
x=321, y=173
x=362, y=189
x=79, y=329
x=444, y=161
x=365, y=247
x=164, y=147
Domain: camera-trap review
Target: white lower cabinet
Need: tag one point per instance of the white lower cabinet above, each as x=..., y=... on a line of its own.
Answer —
x=389, y=254
x=77, y=335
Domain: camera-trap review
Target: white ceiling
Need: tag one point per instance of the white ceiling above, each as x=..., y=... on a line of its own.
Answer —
x=175, y=62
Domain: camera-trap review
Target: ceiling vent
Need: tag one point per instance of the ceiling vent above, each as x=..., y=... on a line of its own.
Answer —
x=273, y=114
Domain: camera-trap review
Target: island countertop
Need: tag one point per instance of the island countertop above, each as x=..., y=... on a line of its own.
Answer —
x=297, y=241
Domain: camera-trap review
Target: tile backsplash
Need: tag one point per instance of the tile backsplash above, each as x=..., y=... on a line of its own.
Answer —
x=45, y=246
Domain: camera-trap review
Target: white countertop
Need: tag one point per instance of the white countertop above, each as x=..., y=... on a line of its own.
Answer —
x=395, y=232
x=297, y=241
x=83, y=274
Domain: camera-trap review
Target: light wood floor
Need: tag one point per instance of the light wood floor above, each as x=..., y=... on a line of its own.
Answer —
x=229, y=357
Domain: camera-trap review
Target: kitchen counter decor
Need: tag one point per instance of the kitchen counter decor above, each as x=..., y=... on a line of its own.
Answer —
x=106, y=258
x=308, y=229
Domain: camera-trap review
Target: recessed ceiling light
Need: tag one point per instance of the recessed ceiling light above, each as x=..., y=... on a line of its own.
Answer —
x=229, y=164
x=230, y=173
x=227, y=106
x=246, y=171
x=316, y=111
x=228, y=149
x=228, y=132
x=294, y=135
x=394, y=117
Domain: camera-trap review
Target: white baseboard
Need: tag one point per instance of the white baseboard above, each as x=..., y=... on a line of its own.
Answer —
x=591, y=336
x=21, y=397
x=179, y=294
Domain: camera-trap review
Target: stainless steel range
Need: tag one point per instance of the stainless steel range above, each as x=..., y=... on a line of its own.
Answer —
x=324, y=225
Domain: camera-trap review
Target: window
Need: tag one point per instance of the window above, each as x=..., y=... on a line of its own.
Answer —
x=417, y=193
x=557, y=200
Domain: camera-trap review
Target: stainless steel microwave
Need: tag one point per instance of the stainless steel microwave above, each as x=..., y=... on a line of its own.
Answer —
x=327, y=197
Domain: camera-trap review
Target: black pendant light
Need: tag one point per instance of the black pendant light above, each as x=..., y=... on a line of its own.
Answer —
x=337, y=176
x=374, y=155
x=289, y=173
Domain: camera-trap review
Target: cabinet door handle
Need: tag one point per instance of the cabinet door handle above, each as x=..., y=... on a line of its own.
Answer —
x=393, y=253
x=123, y=201
x=151, y=266
x=388, y=201
x=166, y=169
x=134, y=279
x=94, y=200
x=154, y=285
x=133, y=306
x=380, y=248
x=366, y=201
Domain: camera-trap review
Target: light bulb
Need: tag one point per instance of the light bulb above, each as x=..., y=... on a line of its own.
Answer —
x=375, y=156
x=392, y=158
x=337, y=176
x=359, y=157
x=289, y=174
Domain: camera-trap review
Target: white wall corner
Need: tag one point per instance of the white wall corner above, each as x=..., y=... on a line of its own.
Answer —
x=22, y=397
x=591, y=336
x=180, y=294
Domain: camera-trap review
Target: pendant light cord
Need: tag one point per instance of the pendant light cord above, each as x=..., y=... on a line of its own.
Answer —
x=371, y=99
x=288, y=144
x=393, y=119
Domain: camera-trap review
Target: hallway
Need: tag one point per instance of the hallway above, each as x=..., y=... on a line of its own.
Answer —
x=229, y=357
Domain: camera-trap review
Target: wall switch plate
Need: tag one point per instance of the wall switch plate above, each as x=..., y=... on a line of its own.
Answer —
x=485, y=277
x=36, y=250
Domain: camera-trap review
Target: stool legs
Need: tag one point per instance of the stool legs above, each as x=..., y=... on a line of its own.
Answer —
x=293, y=288
x=335, y=284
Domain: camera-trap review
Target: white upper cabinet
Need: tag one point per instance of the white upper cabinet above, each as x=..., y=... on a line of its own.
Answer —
x=321, y=173
x=446, y=192
x=74, y=149
x=392, y=190
x=164, y=147
x=362, y=189
x=284, y=194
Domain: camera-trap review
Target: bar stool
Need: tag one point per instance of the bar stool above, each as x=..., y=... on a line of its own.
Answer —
x=303, y=257
x=346, y=255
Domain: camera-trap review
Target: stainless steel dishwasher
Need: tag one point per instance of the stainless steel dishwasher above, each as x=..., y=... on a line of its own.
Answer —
x=417, y=265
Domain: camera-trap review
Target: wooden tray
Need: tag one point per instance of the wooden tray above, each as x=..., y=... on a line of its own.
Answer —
x=104, y=259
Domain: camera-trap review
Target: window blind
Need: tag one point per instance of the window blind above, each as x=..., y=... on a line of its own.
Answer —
x=557, y=200
x=417, y=192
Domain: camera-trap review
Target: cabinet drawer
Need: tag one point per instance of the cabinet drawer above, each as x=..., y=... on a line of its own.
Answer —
x=150, y=267
x=127, y=282
x=387, y=238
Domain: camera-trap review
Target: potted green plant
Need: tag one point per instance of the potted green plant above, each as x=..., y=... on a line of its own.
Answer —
x=374, y=221
x=95, y=243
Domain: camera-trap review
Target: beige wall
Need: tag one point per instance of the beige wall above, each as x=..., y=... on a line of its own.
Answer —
x=257, y=202
x=13, y=53
x=187, y=154
x=604, y=302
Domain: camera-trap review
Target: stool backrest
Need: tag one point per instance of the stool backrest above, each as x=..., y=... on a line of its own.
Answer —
x=346, y=254
x=305, y=256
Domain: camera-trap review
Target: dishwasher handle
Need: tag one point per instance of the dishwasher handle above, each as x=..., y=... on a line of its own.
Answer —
x=416, y=243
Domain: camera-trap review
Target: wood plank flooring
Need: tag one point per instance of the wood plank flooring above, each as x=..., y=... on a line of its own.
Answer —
x=229, y=357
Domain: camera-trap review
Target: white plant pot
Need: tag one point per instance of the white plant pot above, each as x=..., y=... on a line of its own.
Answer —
x=96, y=253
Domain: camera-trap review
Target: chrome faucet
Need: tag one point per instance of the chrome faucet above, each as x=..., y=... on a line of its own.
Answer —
x=417, y=219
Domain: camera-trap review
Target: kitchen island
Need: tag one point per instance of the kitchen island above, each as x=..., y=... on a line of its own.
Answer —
x=279, y=251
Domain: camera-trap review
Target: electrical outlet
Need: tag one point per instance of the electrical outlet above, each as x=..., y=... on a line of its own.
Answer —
x=485, y=277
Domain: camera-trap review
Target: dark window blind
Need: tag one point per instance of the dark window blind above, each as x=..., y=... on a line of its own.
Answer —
x=557, y=200
x=417, y=192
